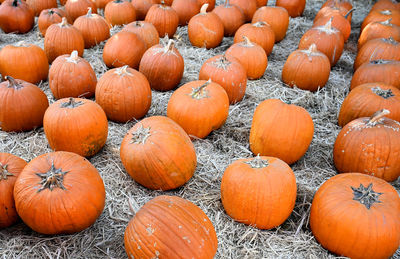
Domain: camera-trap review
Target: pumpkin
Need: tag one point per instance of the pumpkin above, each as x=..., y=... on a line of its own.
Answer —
x=22, y=105
x=369, y=145
x=341, y=3
x=261, y=3
x=24, y=61
x=101, y=4
x=119, y=12
x=386, y=4
x=185, y=9
x=375, y=30
x=76, y=125
x=306, y=69
x=142, y=6
x=384, y=71
x=123, y=48
x=294, y=7
x=375, y=49
x=62, y=38
x=252, y=57
x=145, y=30
x=228, y=73
x=328, y=40
x=339, y=22
x=276, y=17
x=270, y=180
x=356, y=216
x=366, y=99
x=275, y=125
x=48, y=17
x=259, y=32
x=330, y=11
x=76, y=8
x=164, y=18
x=380, y=16
x=39, y=5
x=124, y=94
x=205, y=29
x=248, y=7
x=59, y=192
x=211, y=4
x=16, y=16
x=163, y=66
x=72, y=76
x=169, y=226
x=231, y=16
x=199, y=107
x=10, y=167
x=173, y=155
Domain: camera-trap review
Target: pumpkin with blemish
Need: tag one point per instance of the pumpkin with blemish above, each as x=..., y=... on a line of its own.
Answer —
x=259, y=32
x=339, y=22
x=157, y=153
x=170, y=227
x=277, y=17
x=294, y=7
x=142, y=7
x=380, y=70
x=342, y=3
x=369, y=145
x=164, y=18
x=231, y=16
x=380, y=16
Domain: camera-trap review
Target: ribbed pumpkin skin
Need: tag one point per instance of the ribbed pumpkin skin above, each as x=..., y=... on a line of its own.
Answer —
x=380, y=16
x=39, y=5
x=231, y=16
x=262, y=197
x=94, y=29
x=21, y=108
x=186, y=9
x=376, y=30
x=259, y=32
x=145, y=30
x=366, y=99
x=173, y=157
x=275, y=125
x=142, y=7
x=277, y=17
x=200, y=115
x=211, y=4
x=101, y=4
x=346, y=227
x=294, y=7
x=80, y=129
x=177, y=227
x=386, y=4
x=333, y=11
x=60, y=211
x=164, y=18
x=8, y=176
x=341, y=3
x=248, y=7
x=27, y=62
x=76, y=8
x=16, y=16
x=48, y=17
x=369, y=148
x=124, y=94
x=119, y=12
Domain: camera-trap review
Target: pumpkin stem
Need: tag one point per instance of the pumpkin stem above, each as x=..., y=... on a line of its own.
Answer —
x=170, y=45
x=328, y=25
x=138, y=24
x=63, y=23
x=52, y=178
x=71, y=103
x=4, y=173
x=386, y=12
x=349, y=12
x=198, y=92
x=89, y=12
x=248, y=43
x=222, y=62
x=118, y=1
x=388, y=22
x=386, y=94
x=140, y=135
x=12, y=83
x=203, y=9
x=74, y=58
x=377, y=117
x=259, y=24
x=122, y=71
x=313, y=48
x=366, y=195
x=227, y=3
x=257, y=162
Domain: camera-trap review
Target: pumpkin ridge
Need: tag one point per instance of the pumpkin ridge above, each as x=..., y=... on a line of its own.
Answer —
x=366, y=195
x=4, y=173
x=144, y=243
x=54, y=177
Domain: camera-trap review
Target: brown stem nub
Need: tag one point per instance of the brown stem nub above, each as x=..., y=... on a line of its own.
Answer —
x=170, y=45
x=63, y=23
x=4, y=173
x=197, y=91
x=139, y=23
x=15, y=3
x=349, y=12
x=12, y=83
x=259, y=24
x=247, y=41
x=140, y=135
x=257, y=162
x=377, y=116
x=203, y=9
x=71, y=103
x=52, y=179
x=366, y=195
x=386, y=94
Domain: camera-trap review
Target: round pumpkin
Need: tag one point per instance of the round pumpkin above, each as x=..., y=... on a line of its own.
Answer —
x=164, y=18
x=270, y=180
x=380, y=16
x=76, y=125
x=76, y=8
x=276, y=17
x=39, y=5
x=169, y=226
x=259, y=32
x=376, y=30
x=48, y=17
x=380, y=70
x=59, y=193
x=186, y=9
x=22, y=105
x=231, y=16
x=145, y=30
x=248, y=7
x=294, y=7
x=199, y=107
x=173, y=157
x=142, y=7
x=10, y=168
x=119, y=12
x=275, y=125
x=356, y=216
x=339, y=22
x=334, y=10
x=16, y=16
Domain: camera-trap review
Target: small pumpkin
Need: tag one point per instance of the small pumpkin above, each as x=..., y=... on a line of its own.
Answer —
x=76, y=8
x=142, y=7
x=342, y=3
x=275, y=125
x=48, y=17
x=275, y=16
x=39, y=5
x=22, y=105
x=145, y=30
x=294, y=7
x=205, y=29
x=124, y=94
x=380, y=16
x=16, y=16
x=248, y=7
x=199, y=107
x=163, y=66
x=72, y=76
x=10, y=168
x=231, y=16
x=380, y=70
x=259, y=32
x=339, y=22
x=59, y=192
x=119, y=12
x=375, y=30
x=186, y=9
x=386, y=5
x=173, y=155
x=269, y=179
x=164, y=18
x=169, y=226
x=345, y=205
x=76, y=125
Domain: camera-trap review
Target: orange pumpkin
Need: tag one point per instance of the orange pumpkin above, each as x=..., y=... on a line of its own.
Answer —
x=306, y=69
x=101, y=4
x=24, y=61
x=384, y=71
x=164, y=18
x=89, y=131
x=211, y=4
x=173, y=155
x=16, y=16
x=124, y=94
x=186, y=9
x=169, y=226
x=205, y=29
x=22, y=105
x=386, y=4
x=76, y=8
x=339, y=22
x=48, y=17
x=248, y=7
x=356, y=216
x=39, y=5
x=231, y=16
x=199, y=107
x=119, y=12
x=72, y=76
x=261, y=3
x=145, y=30
x=294, y=7
x=376, y=30
x=259, y=32
x=369, y=145
x=277, y=17
x=380, y=16
x=142, y=7
x=341, y=3
x=275, y=125
x=10, y=168
x=334, y=10
x=67, y=188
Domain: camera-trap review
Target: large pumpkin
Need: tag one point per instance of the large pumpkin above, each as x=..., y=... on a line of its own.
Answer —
x=186, y=9
x=357, y=216
x=376, y=30
x=59, y=192
x=173, y=158
x=339, y=22
x=170, y=227
x=380, y=16
x=39, y=5
x=270, y=180
x=16, y=16
x=275, y=125
x=76, y=8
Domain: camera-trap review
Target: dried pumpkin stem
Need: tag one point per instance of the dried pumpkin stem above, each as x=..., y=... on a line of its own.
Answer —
x=89, y=12
x=387, y=22
x=53, y=178
x=386, y=12
x=257, y=162
x=15, y=3
x=386, y=94
x=247, y=41
x=170, y=45
x=380, y=61
x=259, y=24
x=349, y=12
x=390, y=40
x=4, y=173
x=227, y=3
x=377, y=116
x=73, y=58
x=122, y=71
x=140, y=135
x=366, y=195
x=139, y=24
x=63, y=23
x=71, y=103
x=203, y=9
x=197, y=92
x=328, y=25
x=12, y=83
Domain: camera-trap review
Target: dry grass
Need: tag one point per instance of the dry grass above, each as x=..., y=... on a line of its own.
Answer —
x=291, y=240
